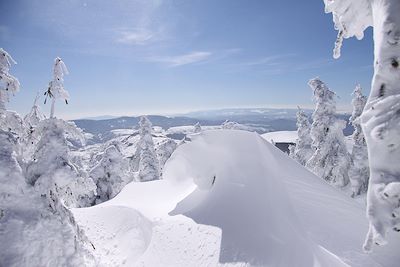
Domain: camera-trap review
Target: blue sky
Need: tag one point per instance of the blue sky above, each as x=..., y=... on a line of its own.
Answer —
x=129, y=57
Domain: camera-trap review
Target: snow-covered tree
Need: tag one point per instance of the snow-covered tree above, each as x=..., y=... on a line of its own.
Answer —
x=31, y=121
x=330, y=160
x=229, y=125
x=51, y=171
x=33, y=118
x=302, y=150
x=380, y=119
x=8, y=83
x=56, y=86
x=12, y=182
x=145, y=159
x=197, y=128
x=9, y=120
x=359, y=171
x=164, y=151
x=35, y=235
x=110, y=174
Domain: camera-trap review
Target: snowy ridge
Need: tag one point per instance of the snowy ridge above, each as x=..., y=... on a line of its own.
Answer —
x=288, y=216
x=281, y=136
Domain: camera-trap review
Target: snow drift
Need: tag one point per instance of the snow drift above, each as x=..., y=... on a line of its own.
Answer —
x=231, y=198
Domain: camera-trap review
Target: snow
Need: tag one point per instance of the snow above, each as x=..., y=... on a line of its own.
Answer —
x=188, y=129
x=31, y=234
x=281, y=136
x=229, y=198
x=119, y=234
x=380, y=119
x=351, y=18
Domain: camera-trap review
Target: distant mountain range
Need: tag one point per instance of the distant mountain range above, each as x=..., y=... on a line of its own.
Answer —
x=265, y=118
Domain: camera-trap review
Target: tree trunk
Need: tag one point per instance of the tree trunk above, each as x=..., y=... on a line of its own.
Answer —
x=3, y=99
x=381, y=119
x=53, y=102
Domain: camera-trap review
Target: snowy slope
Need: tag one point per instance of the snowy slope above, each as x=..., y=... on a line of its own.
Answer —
x=281, y=136
x=261, y=208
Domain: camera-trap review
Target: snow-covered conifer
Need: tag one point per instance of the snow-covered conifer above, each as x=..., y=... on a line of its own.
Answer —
x=145, y=159
x=56, y=86
x=36, y=235
x=51, y=171
x=8, y=83
x=110, y=174
x=197, y=128
x=33, y=118
x=302, y=151
x=330, y=160
x=380, y=119
x=9, y=120
x=230, y=125
x=164, y=151
x=31, y=121
x=359, y=171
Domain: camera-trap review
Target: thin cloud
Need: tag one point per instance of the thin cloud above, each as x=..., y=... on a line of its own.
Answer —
x=270, y=61
x=134, y=37
x=180, y=60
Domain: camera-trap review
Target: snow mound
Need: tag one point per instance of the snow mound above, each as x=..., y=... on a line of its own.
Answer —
x=238, y=192
x=229, y=198
x=118, y=234
x=281, y=136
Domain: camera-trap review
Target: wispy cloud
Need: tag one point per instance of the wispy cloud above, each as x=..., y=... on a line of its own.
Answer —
x=134, y=37
x=266, y=61
x=185, y=59
x=279, y=64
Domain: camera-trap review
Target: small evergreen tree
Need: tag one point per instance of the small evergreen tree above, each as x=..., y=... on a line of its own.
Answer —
x=110, y=174
x=230, y=125
x=330, y=160
x=302, y=151
x=359, y=171
x=52, y=173
x=33, y=118
x=31, y=121
x=197, y=128
x=148, y=164
x=164, y=151
x=145, y=159
x=9, y=120
x=8, y=83
x=56, y=86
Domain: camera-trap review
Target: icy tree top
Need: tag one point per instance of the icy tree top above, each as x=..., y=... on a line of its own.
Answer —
x=59, y=69
x=10, y=82
x=358, y=102
x=145, y=126
x=323, y=97
x=321, y=91
x=5, y=61
x=351, y=18
x=56, y=87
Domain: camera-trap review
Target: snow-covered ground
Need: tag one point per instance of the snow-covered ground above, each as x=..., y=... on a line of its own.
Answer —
x=281, y=136
x=229, y=197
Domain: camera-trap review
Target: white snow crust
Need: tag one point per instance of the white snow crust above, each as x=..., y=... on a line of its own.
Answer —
x=281, y=136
